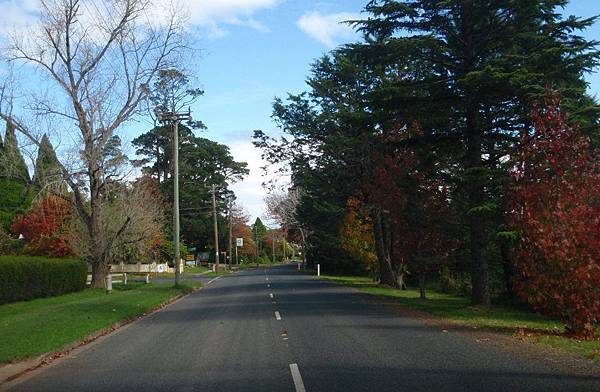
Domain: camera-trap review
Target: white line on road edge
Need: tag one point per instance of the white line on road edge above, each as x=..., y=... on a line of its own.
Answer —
x=297, y=378
x=271, y=295
x=277, y=316
x=212, y=280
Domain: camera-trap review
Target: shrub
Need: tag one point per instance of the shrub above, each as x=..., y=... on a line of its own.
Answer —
x=555, y=207
x=24, y=278
x=44, y=227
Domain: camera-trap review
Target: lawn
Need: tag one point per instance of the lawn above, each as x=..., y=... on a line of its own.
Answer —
x=31, y=328
x=530, y=325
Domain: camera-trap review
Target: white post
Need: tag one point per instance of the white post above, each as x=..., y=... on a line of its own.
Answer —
x=318, y=269
x=147, y=278
x=299, y=266
x=109, y=283
x=125, y=278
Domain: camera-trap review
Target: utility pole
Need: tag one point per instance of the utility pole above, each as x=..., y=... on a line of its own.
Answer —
x=230, y=231
x=284, y=250
x=273, y=245
x=174, y=118
x=214, y=210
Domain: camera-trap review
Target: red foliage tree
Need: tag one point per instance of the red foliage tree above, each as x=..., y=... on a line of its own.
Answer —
x=44, y=227
x=413, y=200
x=554, y=202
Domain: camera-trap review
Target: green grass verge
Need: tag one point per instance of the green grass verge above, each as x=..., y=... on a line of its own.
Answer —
x=31, y=328
x=194, y=270
x=530, y=325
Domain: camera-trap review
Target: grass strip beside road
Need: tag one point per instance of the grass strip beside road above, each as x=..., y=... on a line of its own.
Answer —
x=32, y=328
x=527, y=325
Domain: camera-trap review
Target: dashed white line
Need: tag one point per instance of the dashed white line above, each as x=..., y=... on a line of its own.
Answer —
x=297, y=378
x=271, y=295
x=277, y=316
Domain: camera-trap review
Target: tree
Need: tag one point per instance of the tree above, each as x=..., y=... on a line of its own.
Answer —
x=47, y=172
x=12, y=163
x=357, y=237
x=141, y=205
x=282, y=207
x=259, y=233
x=554, y=205
x=484, y=63
x=241, y=229
x=16, y=194
x=46, y=227
x=102, y=61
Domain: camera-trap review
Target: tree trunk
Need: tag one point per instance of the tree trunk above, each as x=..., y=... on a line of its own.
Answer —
x=507, y=268
x=422, y=284
x=474, y=179
x=475, y=187
x=100, y=271
x=382, y=236
x=99, y=261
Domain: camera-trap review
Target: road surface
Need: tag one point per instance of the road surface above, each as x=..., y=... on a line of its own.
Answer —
x=278, y=330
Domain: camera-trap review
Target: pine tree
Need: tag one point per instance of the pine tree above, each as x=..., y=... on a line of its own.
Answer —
x=47, y=172
x=492, y=59
x=12, y=163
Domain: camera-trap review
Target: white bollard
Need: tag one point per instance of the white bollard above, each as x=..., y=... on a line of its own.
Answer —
x=109, y=284
x=147, y=278
x=125, y=278
x=318, y=269
x=299, y=266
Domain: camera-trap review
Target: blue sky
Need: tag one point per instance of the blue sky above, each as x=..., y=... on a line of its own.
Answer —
x=254, y=50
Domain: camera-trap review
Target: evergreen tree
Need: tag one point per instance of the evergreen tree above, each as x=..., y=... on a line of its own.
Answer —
x=259, y=232
x=494, y=59
x=47, y=172
x=12, y=162
x=15, y=194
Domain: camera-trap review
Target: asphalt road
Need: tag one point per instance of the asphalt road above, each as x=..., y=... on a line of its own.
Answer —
x=311, y=335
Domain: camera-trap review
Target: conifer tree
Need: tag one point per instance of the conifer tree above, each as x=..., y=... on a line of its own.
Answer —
x=12, y=162
x=47, y=172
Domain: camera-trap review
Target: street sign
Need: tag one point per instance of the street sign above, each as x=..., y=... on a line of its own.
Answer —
x=190, y=257
x=239, y=242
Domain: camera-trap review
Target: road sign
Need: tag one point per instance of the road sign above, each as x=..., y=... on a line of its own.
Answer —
x=190, y=257
x=239, y=242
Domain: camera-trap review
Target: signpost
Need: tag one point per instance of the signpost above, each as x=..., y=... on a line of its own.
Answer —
x=239, y=242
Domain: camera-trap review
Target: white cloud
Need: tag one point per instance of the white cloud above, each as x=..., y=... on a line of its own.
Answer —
x=210, y=15
x=250, y=192
x=213, y=14
x=17, y=14
x=328, y=29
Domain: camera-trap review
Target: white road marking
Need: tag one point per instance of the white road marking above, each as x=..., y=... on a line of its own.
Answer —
x=267, y=279
x=212, y=280
x=268, y=285
x=297, y=378
x=277, y=316
x=271, y=295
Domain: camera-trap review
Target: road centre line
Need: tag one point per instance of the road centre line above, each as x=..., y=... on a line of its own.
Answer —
x=277, y=316
x=298, y=383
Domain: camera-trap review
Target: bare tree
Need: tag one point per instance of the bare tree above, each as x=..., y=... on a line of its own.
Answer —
x=101, y=57
x=141, y=205
x=282, y=207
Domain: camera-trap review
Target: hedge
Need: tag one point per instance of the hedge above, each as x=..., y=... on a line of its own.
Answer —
x=23, y=278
